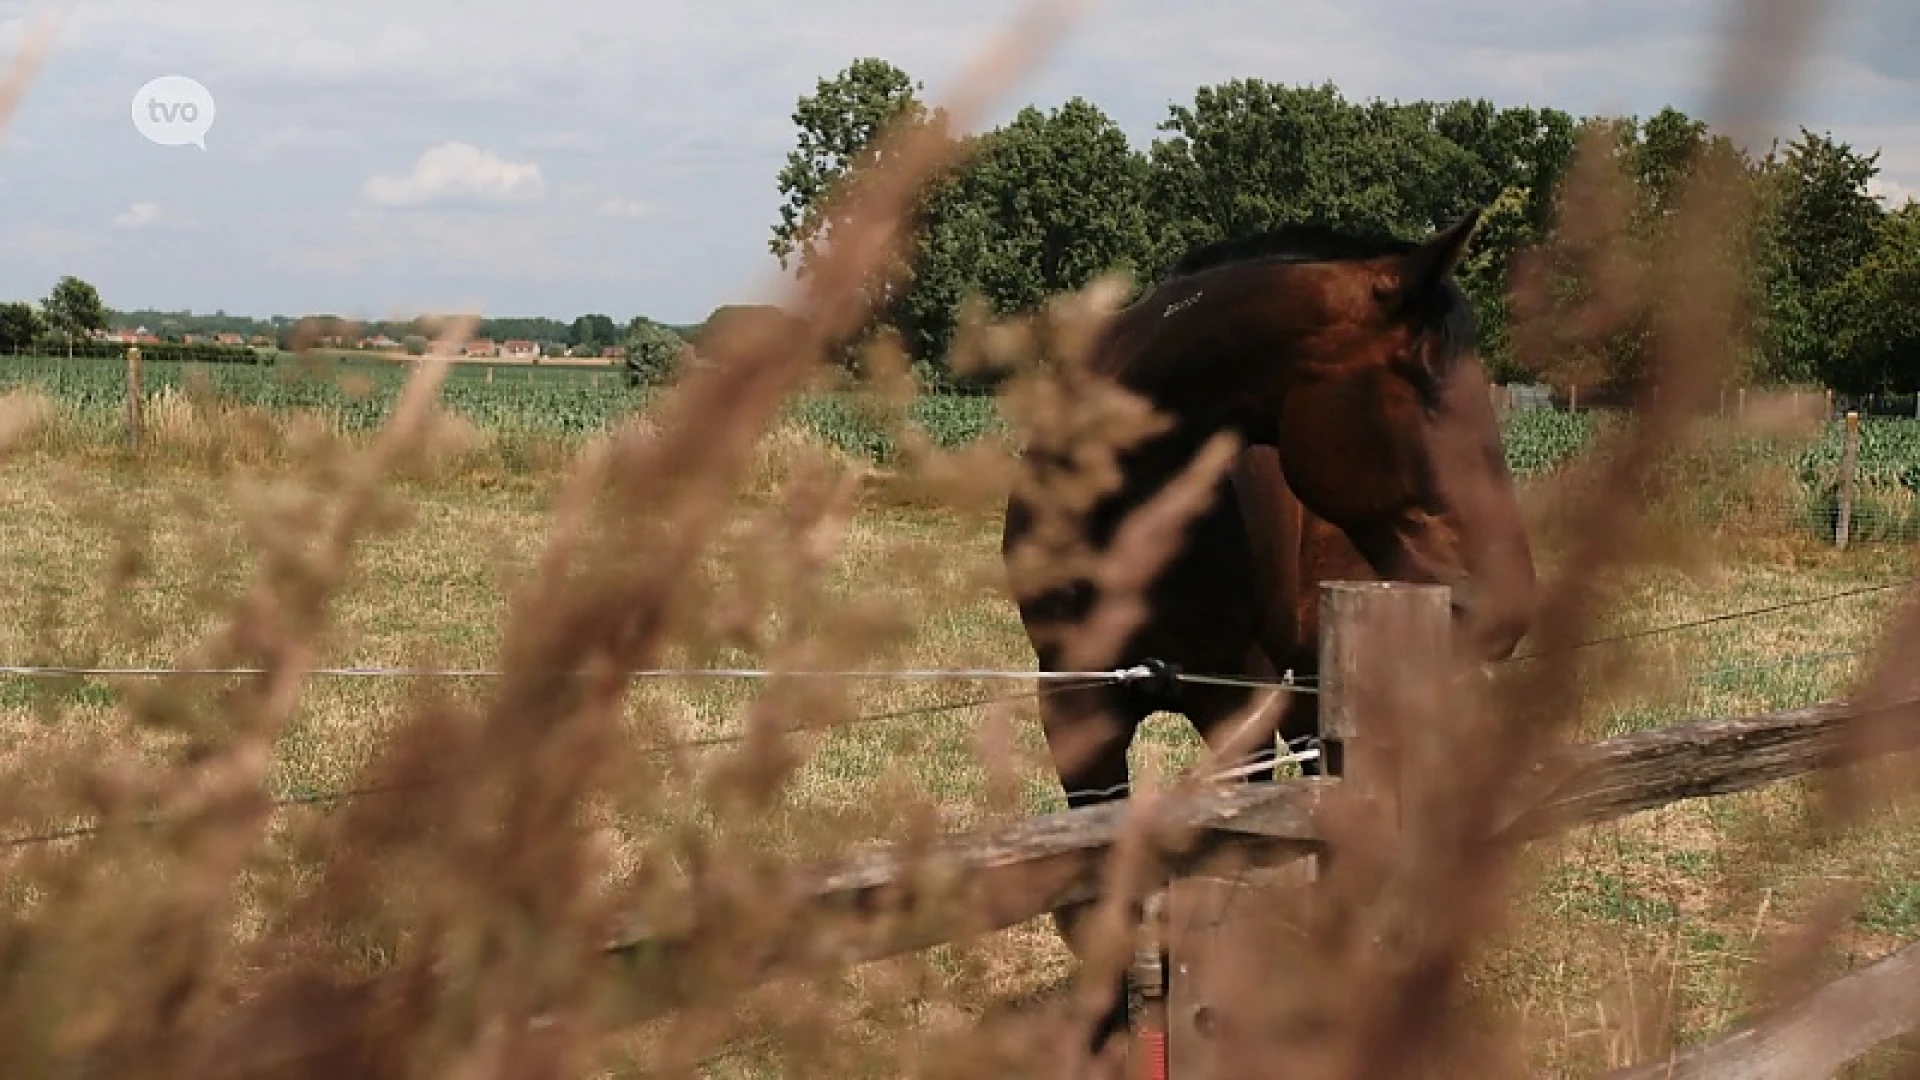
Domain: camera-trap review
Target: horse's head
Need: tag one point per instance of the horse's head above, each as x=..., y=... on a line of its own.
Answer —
x=1386, y=429
x=1356, y=358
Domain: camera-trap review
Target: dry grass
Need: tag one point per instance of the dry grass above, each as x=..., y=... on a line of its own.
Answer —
x=1688, y=887
x=449, y=917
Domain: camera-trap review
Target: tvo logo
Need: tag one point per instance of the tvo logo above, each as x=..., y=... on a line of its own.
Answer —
x=174, y=110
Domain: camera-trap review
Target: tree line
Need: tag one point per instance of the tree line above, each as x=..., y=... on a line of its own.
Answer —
x=1053, y=198
x=60, y=324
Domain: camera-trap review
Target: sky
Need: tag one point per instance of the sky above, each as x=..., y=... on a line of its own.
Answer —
x=558, y=157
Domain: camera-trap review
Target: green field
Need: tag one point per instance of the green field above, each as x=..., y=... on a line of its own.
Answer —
x=538, y=413
x=561, y=402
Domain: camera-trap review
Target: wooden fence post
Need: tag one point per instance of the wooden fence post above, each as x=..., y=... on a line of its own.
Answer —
x=1849, y=464
x=1385, y=647
x=1215, y=921
x=133, y=398
x=1360, y=623
x=1150, y=979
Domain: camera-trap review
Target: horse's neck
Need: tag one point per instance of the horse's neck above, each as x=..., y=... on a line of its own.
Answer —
x=1274, y=531
x=1147, y=468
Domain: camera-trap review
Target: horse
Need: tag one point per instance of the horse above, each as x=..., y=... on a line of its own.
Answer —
x=1346, y=364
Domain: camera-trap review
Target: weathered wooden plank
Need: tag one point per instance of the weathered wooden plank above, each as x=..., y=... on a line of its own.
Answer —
x=1198, y=910
x=1217, y=927
x=885, y=903
x=881, y=904
x=1039, y=865
x=1651, y=769
x=1829, y=1028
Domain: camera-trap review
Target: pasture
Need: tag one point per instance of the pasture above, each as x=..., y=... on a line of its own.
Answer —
x=1626, y=934
x=352, y=727
x=523, y=420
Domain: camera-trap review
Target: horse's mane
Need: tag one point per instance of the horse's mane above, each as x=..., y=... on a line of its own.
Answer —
x=1316, y=242
x=1297, y=243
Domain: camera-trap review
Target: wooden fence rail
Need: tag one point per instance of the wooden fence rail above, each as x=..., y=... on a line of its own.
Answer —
x=1837, y=1023
x=882, y=904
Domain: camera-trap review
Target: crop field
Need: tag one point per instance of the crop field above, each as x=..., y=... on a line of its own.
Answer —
x=559, y=403
x=1626, y=931
x=566, y=406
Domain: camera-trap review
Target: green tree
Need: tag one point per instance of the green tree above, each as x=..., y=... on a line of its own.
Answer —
x=1526, y=152
x=1876, y=309
x=19, y=327
x=1248, y=156
x=1519, y=148
x=524, y=329
x=1050, y=199
x=73, y=308
x=593, y=332
x=837, y=125
x=1505, y=230
x=1043, y=206
x=654, y=353
x=1822, y=222
x=415, y=344
x=1611, y=239
x=1667, y=153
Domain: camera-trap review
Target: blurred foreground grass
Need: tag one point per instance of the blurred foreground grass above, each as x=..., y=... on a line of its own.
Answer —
x=1673, y=899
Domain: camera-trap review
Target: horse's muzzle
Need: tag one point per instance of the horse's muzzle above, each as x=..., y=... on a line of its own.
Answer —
x=1495, y=628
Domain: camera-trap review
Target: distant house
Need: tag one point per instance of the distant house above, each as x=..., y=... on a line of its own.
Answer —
x=482, y=347
x=614, y=352
x=520, y=349
x=379, y=343
x=229, y=339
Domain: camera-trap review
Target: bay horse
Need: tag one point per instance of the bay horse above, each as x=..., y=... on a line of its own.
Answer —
x=1347, y=364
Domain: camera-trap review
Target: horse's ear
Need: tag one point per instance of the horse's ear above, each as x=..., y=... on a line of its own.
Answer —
x=1425, y=267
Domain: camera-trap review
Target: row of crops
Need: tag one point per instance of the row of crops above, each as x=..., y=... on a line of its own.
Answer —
x=577, y=403
x=550, y=401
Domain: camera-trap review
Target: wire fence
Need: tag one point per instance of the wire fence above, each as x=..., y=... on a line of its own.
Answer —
x=1875, y=514
x=1729, y=402
x=1771, y=681
x=1140, y=673
x=1735, y=616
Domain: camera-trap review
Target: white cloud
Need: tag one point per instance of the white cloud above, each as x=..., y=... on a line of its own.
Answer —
x=456, y=172
x=594, y=111
x=298, y=139
x=1891, y=192
x=627, y=208
x=138, y=216
x=47, y=245
x=579, y=142
x=543, y=245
